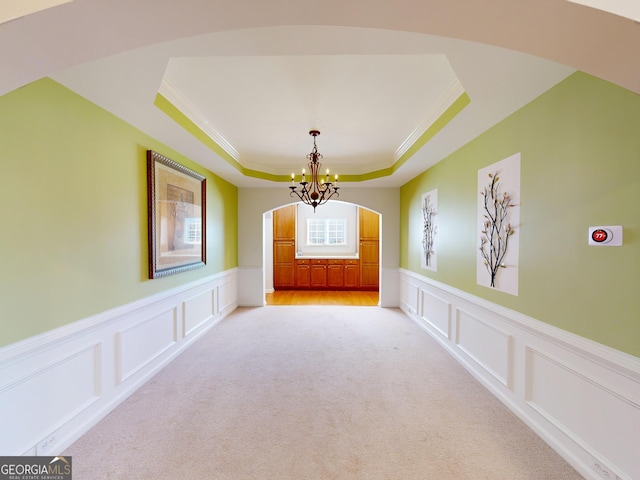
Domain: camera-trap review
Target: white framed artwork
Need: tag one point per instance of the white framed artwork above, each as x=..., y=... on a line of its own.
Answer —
x=498, y=225
x=429, y=209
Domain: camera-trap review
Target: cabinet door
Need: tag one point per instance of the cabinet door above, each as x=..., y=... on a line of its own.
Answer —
x=369, y=275
x=283, y=264
x=318, y=273
x=369, y=265
x=335, y=274
x=284, y=223
x=369, y=225
x=351, y=274
x=303, y=274
x=284, y=276
x=284, y=252
x=369, y=252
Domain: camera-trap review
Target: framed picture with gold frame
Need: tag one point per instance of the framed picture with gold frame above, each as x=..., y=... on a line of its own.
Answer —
x=176, y=215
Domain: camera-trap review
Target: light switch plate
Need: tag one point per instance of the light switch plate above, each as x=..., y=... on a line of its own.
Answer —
x=609, y=236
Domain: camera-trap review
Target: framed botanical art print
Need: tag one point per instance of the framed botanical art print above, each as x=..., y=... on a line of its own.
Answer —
x=499, y=225
x=429, y=207
x=176, y=215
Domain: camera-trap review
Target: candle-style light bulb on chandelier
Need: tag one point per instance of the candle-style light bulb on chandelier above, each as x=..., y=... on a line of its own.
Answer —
x=318, y=190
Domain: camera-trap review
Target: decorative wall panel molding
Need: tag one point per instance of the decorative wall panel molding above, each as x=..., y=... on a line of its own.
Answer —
x=410, y=299
x=198, y=310
x=436, y=312
x=56, y=386
x=610, y=409
x=44, y=398
x=581, y=397
x=485, y=344
x=141, y=343
x=227, y=300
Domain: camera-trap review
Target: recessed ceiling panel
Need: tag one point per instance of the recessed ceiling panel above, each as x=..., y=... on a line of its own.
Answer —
x=262, y=107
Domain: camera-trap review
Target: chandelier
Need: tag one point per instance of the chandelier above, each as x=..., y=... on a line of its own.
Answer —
x=318, y=190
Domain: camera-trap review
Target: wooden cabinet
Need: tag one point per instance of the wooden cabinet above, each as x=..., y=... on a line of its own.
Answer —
x=303, y=274
x=369, y=250
x=284, y=223
x=351, y=274
x=369, y=225
x=318, y=273
x=335, y=273
x=323, y=273
x=369, y=265
x=284, y=247
x=283, y=264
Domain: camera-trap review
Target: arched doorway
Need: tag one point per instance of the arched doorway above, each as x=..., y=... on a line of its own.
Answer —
x=331, y=256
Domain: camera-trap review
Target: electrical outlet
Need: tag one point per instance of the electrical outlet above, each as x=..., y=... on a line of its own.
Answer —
x=604, y=471
x=44, y=447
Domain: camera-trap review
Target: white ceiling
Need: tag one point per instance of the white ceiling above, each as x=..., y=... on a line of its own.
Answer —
x=257, y=79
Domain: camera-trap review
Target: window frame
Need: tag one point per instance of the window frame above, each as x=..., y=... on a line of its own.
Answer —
x=327, y=227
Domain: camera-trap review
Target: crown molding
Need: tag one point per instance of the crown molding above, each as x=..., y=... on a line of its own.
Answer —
x=444, y=101
x=183, y=104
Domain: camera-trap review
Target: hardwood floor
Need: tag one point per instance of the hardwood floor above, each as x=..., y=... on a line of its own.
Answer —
x=322, y=297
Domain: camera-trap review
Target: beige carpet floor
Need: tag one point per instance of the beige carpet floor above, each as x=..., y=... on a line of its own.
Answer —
x=302, y=393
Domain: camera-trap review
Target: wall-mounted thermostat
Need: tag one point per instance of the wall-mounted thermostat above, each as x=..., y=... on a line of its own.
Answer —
x=606, y=236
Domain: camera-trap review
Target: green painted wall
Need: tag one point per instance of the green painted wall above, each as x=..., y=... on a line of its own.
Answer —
x=580, y=166
x=73, y=219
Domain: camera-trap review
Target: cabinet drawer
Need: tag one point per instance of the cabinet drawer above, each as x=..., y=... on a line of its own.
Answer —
x=302, y=262
x=334, y=261
x=351, y=262
x=317, y=261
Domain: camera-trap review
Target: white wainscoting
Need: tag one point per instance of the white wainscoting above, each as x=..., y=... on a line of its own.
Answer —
x=389, y=287
x=56, y=386
x=581, y=397
x=252, y=292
